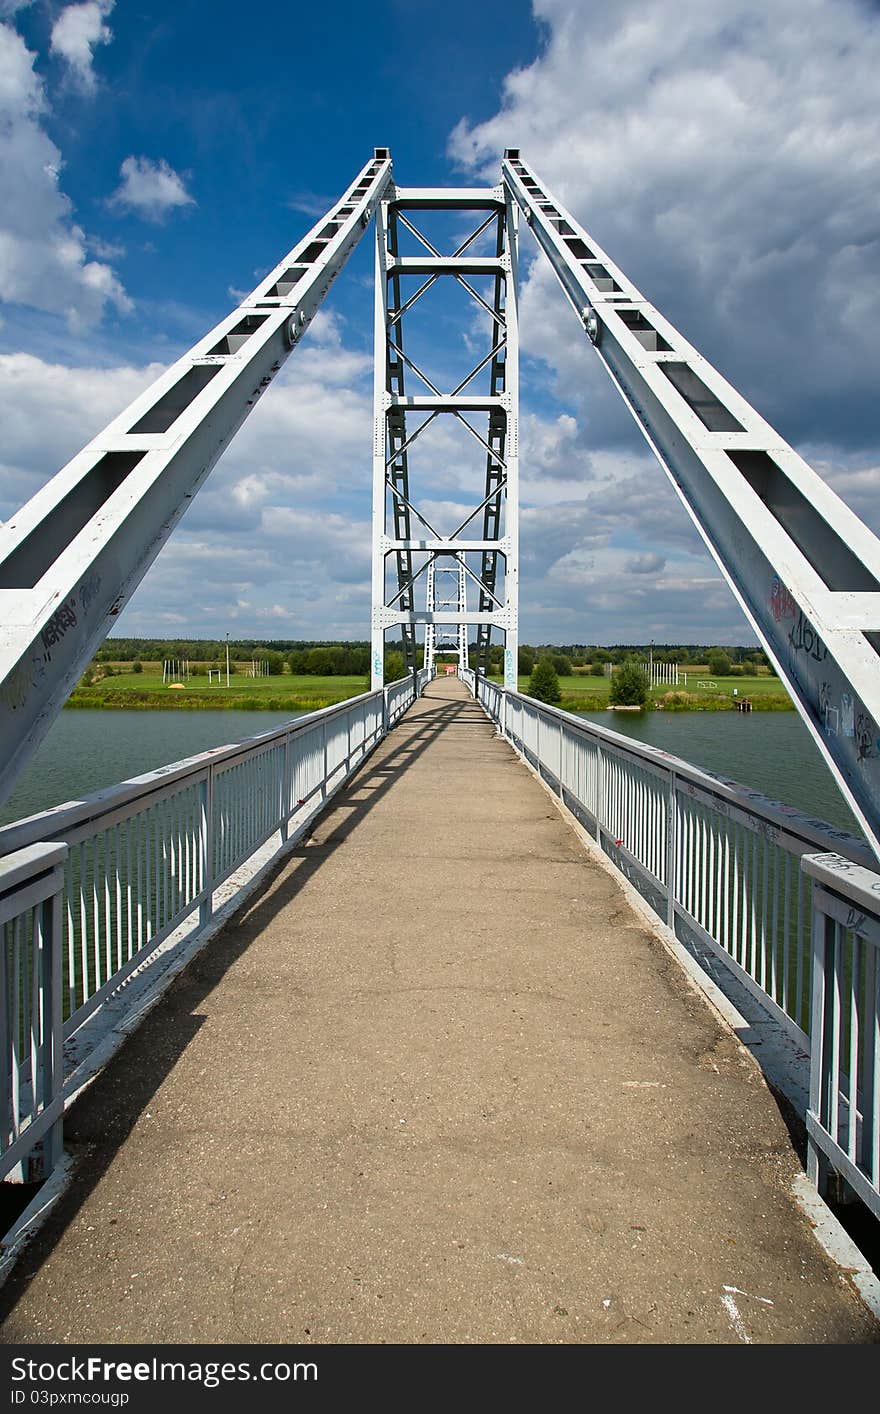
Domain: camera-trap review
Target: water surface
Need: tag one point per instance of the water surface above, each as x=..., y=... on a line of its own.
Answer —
x=85, y=751
x=770, y=751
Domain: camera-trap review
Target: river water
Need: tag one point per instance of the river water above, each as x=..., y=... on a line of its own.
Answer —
x=770, y=751
x=84, y=751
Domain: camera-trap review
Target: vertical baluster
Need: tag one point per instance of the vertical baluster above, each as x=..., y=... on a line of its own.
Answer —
x=764, y=911
x=753, y=907
x=672, y=824
x=776, y=860
x=803, y=887
x=786, y=942
x=71, y=936
x=871, y=1068
x=117, y=894
x=711, y=924
x=156, y=834
x=129, y=889
x=139, y=856
x=15, y=1027
x=734, y=912
x=96, y=917
x=855, y=981
x=83, y=925
x=724, y=886
x=834, y=1037
x=704, y=870
x=5, y=1037
x=106, y=893
x=35, y=1028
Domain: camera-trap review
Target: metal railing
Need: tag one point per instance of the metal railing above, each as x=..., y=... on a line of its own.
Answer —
x=731, y=873
x=135, y=863
x=31, y=1105
x=843, y=1119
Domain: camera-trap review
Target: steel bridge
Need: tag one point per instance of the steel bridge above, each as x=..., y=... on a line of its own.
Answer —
x=773, y=916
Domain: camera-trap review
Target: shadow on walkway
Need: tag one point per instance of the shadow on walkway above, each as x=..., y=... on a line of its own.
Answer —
x=103, y=1117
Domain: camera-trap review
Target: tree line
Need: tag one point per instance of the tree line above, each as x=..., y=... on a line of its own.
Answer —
x=328, y=659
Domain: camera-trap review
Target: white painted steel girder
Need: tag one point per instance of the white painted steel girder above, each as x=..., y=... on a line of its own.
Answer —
x=804, y=568
x=71, y=557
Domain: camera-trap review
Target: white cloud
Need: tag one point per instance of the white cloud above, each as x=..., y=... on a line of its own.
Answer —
x=727, y=157
x=150, y=189
x=43, y=253
x=76, y=33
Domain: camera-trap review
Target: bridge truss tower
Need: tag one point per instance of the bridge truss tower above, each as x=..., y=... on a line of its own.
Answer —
x=449, y=598
x=407, y=402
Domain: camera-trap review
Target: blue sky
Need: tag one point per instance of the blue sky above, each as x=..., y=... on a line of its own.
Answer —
x=162, y=157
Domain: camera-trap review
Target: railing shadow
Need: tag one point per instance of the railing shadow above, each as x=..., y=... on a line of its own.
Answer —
x=101, y=1120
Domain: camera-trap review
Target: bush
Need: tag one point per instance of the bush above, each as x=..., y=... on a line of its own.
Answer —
x=676, y=701
x=561, y=664
x=629, y=685
x=526, y=661
x=718, y=662
x=544, y=681
x=137, y=667
x=395, y=666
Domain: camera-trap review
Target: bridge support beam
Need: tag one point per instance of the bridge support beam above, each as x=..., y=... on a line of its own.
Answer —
x=804, y=568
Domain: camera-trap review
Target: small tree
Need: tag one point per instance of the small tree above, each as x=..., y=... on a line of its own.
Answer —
x=526, y=661
x=137, y=667
x=719, y=662
x=562, y=664
x=544, y=681
x=629, y=685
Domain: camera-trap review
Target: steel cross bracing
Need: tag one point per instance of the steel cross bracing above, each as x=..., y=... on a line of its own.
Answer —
x=404, y=392
x=70, y=558
x=804, y=568
x=448, y=639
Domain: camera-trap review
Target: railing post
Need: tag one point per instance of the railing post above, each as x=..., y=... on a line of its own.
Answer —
x=285, y=791
x=324, y=754
x=600, y=789
x=51, y=1078
x=671, y=846
x=31, y=1032
x=561, y=749
x=206, y=845
x=821, y=928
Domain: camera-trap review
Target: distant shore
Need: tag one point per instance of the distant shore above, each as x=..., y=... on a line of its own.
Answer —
x=133, y=699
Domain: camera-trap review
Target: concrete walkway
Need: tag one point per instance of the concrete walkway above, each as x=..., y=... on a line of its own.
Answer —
x=439, y=1083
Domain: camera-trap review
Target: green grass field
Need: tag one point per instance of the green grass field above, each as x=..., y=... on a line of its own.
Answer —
x=584, y=693
x=580, y=692
x=146, y=690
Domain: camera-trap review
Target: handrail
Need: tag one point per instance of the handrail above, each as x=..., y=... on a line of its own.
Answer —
x=92, y=888
x=787, y=817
